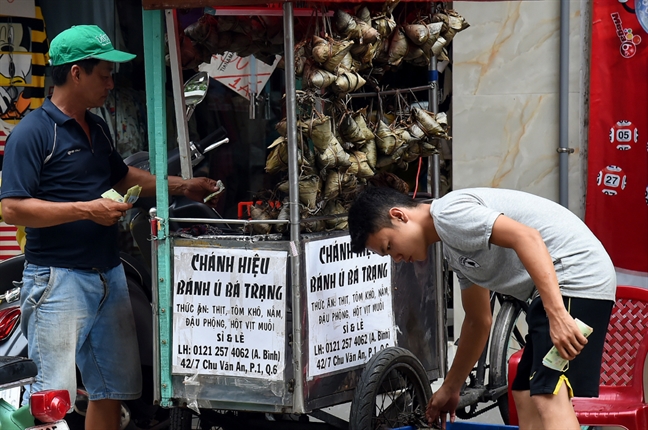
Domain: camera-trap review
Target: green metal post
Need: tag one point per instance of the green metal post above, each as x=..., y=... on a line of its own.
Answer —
x=153, y=21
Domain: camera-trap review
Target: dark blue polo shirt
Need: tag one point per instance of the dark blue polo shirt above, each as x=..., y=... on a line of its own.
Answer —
x=48, y=157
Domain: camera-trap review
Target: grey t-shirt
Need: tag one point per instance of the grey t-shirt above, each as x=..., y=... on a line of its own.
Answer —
x=464, y=221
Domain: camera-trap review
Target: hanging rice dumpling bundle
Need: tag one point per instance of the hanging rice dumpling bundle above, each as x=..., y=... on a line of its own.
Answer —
x=282, y=127
x=359, y=165
x=434, y=31
x=320, y=131
x=428, y=148
x=308, y=155
x=364, y=33
x=278, y=158
x=348, y=82
x=313, y=226
x=412, y=152
x=344, y=23
x=415, y=55
x=332, y=185
x=347, y=64
x=398, y=47
x=284, y=214
x=339, y=49
x=417, y=33
x=261, y=212
x=366, y=58
x=415, y=131
x=334, y=207
x=350, y=130
x=429, y=124
x=359, y=118
x=385, y=139
x=402, y=133
x=317, y=78
x=321, y=49
x=364, y=14
x=300, y=58
x=438, y=49
x=333, y=156
x=385, y=25
x=453, y=21
x=339, y=184
x=354, y=28
x=420, y=61
x=309, y=188
x=400, y=150
x=384, y=161
x=369, y=149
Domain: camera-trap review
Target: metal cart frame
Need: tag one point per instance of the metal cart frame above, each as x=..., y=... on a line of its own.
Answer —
x=301, y=396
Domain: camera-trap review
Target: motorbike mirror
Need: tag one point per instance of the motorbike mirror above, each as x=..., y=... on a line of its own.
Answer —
x=195, y=90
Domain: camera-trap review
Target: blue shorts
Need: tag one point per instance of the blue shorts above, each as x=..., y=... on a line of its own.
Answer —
x=85, y=317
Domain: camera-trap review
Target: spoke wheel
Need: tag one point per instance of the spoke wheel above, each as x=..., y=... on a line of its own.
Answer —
x=392, y=392
x=508, y=338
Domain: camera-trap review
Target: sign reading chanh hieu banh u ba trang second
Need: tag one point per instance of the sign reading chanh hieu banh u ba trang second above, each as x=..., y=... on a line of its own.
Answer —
x=349, y=299
x=229, y=310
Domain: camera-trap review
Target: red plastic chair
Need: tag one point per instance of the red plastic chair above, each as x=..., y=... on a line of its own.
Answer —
x=621, y=398
x=512, y=371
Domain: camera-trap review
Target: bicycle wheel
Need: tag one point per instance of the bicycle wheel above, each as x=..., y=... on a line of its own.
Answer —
x=508, y=333
x=392, y=392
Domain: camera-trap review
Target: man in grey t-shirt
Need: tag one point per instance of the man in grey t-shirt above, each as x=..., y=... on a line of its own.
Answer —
x=517, y=244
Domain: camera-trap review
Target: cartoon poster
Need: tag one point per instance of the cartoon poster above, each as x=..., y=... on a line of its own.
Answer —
x=23, y=55
x=617, y=188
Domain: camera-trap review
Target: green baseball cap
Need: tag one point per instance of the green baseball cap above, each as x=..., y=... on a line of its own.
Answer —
x=81, y=42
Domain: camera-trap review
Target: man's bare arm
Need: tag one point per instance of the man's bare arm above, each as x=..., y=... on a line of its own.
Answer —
x=534, y=255
x=30, y=212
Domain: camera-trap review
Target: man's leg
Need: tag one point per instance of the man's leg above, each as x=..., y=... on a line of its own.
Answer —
x=528, y=415
x=556, y=410
x=53, y=319
x=109, y=358
x=103, y=415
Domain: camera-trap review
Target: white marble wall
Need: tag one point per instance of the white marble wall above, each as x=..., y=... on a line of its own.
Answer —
x=505, y=98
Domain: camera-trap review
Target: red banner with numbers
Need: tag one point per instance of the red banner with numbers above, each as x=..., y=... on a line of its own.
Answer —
x=617, y=187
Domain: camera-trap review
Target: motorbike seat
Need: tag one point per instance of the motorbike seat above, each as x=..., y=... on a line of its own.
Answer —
x=13, y=369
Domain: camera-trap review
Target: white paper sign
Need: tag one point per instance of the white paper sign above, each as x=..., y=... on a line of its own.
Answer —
x=235, y=72
x=349, y=299
x=229, y=309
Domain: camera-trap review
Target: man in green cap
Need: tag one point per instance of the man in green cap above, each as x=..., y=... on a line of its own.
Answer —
x=58, y=162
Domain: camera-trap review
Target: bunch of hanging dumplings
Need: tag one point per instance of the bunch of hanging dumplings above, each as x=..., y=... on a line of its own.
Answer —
x=367, y=43
x=340, y=151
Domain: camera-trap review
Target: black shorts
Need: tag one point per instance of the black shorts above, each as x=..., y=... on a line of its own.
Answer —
x=584, y=372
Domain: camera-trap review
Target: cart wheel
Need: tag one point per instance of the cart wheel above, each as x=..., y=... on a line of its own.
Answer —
x=392, y=392
x=187, y=419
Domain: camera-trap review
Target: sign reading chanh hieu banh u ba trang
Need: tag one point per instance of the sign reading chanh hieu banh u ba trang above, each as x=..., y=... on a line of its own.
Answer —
x=229, y=310
x=349, y=299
